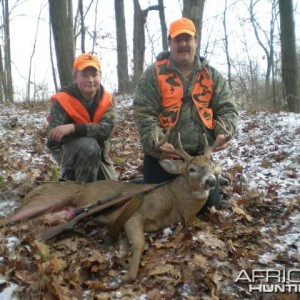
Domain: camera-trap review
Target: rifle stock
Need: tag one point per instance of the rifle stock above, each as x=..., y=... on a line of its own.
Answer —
x=60, y=228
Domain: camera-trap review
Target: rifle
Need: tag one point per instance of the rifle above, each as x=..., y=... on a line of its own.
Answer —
x=79, y=211
x=91, y=211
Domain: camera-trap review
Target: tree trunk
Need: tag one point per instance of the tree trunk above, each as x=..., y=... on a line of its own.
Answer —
x=54, y=75
x=61, y=18
x=1, y=77
x=193, y=10
x=122, y=68
x=138, y=41
x=288, y=54
x=226, y=45
x=164, y=30
x=8, y=85
x=29, y=81
x=82, y=26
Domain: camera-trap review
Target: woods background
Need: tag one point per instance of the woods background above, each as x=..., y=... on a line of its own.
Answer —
x=253, y=43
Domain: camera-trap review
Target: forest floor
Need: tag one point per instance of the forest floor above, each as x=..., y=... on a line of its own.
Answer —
x=241, y=251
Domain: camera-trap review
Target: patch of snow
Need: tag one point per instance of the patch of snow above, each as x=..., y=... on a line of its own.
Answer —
x=12, y=242
x=6, y=206
x=7, y=293
x=266, y=145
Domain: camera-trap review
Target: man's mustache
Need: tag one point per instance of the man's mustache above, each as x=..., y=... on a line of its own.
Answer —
x=185, y=49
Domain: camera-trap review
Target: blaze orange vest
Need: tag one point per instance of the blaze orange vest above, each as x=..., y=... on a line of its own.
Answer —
x=171, y=89
x=78, y=112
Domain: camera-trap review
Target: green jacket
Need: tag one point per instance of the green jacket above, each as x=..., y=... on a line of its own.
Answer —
x=101, y=131
x=146, y=108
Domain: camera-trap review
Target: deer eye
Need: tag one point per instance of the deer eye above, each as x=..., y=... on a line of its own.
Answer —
x=192, y=170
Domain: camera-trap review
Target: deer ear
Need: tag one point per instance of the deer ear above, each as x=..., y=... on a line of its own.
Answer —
x=172, y=166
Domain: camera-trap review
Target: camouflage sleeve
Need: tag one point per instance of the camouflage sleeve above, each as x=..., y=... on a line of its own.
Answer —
x=146, y=107
x=58, y=116
x=223, y=103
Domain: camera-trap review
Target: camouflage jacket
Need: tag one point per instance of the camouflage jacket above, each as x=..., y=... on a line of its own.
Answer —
x=100, y=131
x=147, y=106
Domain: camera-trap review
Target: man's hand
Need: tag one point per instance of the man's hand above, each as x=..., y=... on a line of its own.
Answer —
x=57, y=133
x=221, y=142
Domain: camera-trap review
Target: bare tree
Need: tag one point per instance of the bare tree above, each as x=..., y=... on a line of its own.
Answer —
x=81, y=30
x=265, y=40
x=94, y=31
x=82, y=27
x=29, y=82
x=1, y=77
x=138, y=41
x=290, y=71
x=61, y=17
x=7, y=83
x=164, y=31
x=140, y=17
x=193, y=9
x=52, y=60
x=122, y=67
x=226, y=45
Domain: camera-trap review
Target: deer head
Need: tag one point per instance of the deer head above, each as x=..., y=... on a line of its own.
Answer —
x=199, y=171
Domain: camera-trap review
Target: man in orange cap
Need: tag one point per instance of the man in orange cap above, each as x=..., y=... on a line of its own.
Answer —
x=181, y=90
x=81, y=121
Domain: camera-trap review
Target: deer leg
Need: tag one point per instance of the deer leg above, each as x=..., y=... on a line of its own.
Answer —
x=39, y=205
x=135, y=233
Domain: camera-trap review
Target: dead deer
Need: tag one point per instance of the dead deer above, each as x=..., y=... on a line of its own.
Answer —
x=176, y=202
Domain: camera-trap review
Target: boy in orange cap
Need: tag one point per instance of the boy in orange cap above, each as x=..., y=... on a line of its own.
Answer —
x=181, y=90
x=82, y=118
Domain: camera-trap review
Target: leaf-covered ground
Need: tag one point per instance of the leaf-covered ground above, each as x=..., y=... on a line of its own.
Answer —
x=258, y=226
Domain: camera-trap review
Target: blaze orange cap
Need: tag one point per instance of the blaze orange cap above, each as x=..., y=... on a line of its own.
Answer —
x=86, y=60
x=182, y=25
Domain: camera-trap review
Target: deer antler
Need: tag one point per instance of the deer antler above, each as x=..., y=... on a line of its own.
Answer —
x=164, y=140
x=179, y=151
x=221, y=123
x=228, y=134
x=207, y=150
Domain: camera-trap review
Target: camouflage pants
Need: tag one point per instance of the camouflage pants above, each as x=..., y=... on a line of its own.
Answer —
x=81, y=161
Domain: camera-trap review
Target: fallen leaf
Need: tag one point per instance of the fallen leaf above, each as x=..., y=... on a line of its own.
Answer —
x=41, y=249
x=239, y=211
x=161, y=269
x=230, y=246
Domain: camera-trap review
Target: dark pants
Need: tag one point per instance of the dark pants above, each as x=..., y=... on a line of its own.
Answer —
x=154, y=173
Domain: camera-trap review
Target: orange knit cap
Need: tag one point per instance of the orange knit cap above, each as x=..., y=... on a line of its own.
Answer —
x=182, y=25
x=86, y=60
